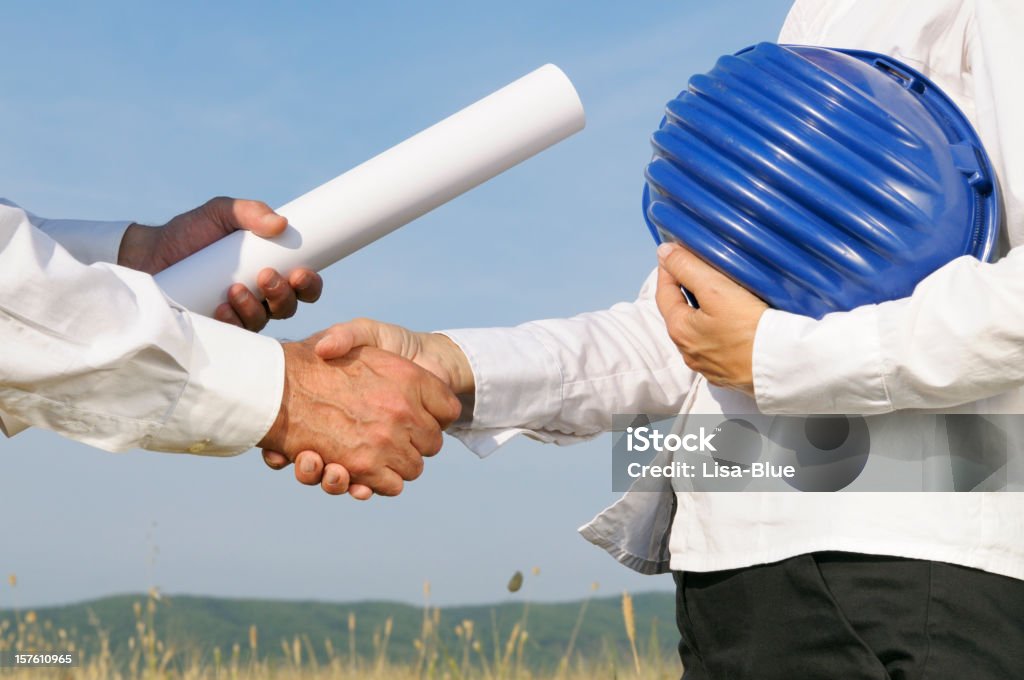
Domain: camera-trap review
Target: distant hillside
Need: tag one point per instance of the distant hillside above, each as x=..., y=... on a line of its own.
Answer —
x=201, y=624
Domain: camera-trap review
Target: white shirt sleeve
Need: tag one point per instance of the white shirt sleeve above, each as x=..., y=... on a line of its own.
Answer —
x=561, y=380
x=88, y=241
x=97, y=353
x=959, y=337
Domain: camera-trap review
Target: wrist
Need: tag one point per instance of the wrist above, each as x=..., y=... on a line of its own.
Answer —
x=137, y=247
x=274, y=439
x=454, y=361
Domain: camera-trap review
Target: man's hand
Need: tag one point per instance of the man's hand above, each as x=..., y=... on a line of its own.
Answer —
x=153, y=249
x=372, y=413
x=716, y=340
x=431, y=351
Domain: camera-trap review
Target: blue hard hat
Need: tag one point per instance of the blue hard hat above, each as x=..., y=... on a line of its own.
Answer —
x=820, y=179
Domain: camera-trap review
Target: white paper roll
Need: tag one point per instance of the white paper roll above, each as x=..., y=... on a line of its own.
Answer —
x=389, y=190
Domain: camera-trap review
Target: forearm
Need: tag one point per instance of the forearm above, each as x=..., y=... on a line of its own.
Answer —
x=99, y=354
x=569, y=376
x=136, y=246
x=88, y=241
x=959, y=338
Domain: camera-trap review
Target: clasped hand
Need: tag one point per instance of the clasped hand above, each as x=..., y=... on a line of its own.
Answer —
x=153, y=249
x=432, y=359
x=368, y=413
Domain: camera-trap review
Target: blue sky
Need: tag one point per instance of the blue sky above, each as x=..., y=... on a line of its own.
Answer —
x=143, y=110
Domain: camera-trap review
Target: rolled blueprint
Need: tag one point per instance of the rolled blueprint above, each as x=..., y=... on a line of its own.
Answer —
x=389, y=190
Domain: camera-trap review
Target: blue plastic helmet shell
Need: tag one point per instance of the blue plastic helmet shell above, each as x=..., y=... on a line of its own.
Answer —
x=820, y=179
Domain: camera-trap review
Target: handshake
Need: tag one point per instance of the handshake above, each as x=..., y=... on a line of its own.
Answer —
x=363, y=403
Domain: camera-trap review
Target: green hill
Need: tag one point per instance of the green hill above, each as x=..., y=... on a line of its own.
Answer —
x=195, y=626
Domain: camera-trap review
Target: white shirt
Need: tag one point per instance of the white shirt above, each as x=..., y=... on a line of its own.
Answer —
x=97, y=353
x=957, y=341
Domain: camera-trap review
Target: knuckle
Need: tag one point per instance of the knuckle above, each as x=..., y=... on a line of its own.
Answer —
x=435, y=445
x=679, y=329
x=416, y=467
x=676, y=334
x=390, y=488
x=379, y=439
x=285, y=309
x=218, y=202
x=397, y=410
x=406, y=370
x=454, y=410
x=678, y=261
x=359, y=465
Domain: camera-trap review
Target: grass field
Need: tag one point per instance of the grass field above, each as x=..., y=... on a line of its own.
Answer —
x=441, y=647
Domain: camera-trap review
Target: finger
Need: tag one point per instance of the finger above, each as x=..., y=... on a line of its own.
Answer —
x=360, y=492
x=342, y=338
x=673, y=306
x=408, y=464
x=427, y=437
x=309, y=468
x=336, y=479
x=240, y=213
x=387, y=483
x=280, y=296
x=275, y=459
x=226, y=314
x=692, y=272
x=438, y=400
x=247, y=308
x=307, y=285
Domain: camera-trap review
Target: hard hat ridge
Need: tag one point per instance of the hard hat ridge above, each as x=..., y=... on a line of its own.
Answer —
x=820, y=179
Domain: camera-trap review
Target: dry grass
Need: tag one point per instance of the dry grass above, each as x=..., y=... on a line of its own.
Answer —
x=150, y=658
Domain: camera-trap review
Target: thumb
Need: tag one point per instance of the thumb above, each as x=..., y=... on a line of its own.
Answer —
x=691, y=272
x=342, y=338
x=239, y=213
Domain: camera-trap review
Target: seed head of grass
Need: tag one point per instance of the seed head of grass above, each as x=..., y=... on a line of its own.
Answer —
x=516, y=582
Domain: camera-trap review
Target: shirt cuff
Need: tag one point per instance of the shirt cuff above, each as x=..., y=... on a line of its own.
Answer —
x=233, y=395
x=88, y=241
x=805, y=366
x=518, y=381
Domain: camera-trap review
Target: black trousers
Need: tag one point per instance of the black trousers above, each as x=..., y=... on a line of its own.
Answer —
x=846, y=616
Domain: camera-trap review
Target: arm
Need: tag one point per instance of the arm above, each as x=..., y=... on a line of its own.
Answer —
x=151, y=249
x=561, y=380
x=957, y=339
x=99, y=354
x=88, y=241
x=557, y=380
